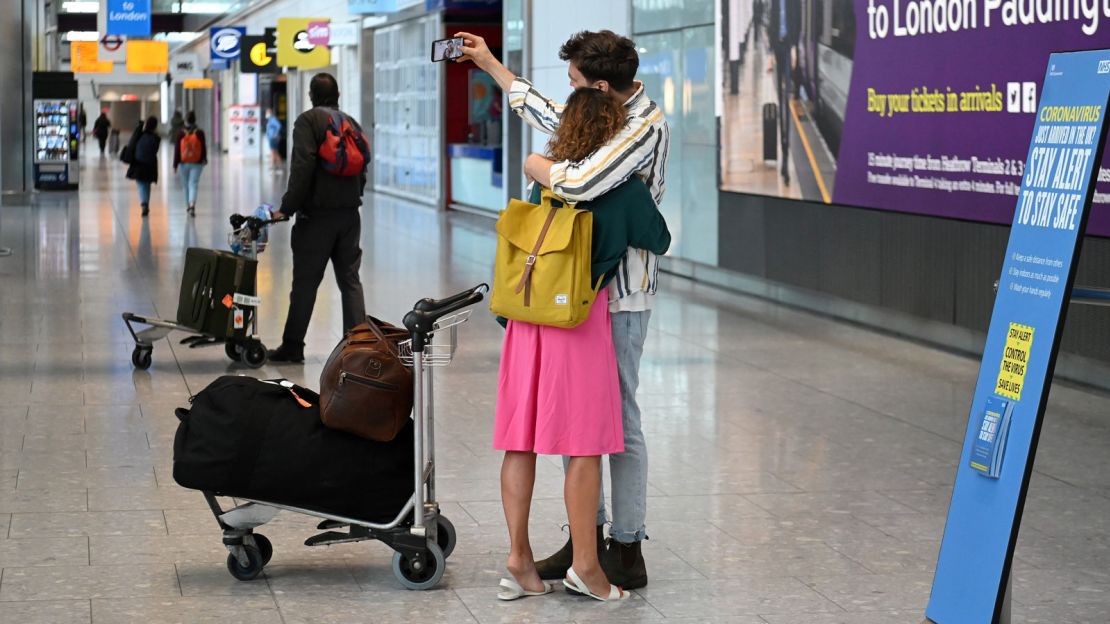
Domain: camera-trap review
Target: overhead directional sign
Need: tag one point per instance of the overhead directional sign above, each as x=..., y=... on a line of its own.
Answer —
x=225, y=42
x=125, y=17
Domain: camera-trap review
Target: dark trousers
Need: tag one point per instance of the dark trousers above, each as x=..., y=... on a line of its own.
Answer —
x=101, y=140
x=784, y=89
x=324, y=236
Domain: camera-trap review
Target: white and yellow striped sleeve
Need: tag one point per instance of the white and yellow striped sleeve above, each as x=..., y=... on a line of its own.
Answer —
x=534, y=108
x=633, y=149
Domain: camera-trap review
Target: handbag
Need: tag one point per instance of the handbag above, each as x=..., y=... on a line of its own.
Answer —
x=365, y=388
x=541, y=273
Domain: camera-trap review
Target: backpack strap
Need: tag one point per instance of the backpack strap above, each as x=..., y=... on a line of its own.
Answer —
x=525, y=283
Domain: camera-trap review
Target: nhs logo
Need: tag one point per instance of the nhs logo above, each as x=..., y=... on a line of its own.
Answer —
x=1104, y=67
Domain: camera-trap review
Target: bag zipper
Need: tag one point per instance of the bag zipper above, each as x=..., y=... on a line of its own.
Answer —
x=344, y=376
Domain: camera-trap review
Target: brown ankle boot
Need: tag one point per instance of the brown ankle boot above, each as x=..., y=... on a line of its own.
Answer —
x=624, y=565
x=555, y=567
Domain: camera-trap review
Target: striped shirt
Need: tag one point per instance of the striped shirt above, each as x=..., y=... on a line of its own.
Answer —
x=640, y=149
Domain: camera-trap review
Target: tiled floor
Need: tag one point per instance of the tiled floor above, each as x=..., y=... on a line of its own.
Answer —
x=795, y=477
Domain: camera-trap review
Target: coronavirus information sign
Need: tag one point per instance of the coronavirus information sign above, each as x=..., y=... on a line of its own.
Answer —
x=1020, y=353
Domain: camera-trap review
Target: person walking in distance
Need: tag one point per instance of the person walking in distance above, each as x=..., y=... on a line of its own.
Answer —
x=783, y=30
x=143, y=168
x=100, y=130
x=326, y=200
x=607, y=62
x=275, y=133
x=177, y=126
x=190, y=153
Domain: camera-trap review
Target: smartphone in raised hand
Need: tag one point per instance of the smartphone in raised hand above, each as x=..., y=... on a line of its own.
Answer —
x=447, y=49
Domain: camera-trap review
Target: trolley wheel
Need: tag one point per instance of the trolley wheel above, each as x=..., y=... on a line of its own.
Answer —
x=265, y=547
x=141, y=357
x=253, y=568
x=254, y=355
x=445, y=536
x=233, y=351
x=429, y=574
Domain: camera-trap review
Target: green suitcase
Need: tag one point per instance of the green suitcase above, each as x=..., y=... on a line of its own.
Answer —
x=209, y=283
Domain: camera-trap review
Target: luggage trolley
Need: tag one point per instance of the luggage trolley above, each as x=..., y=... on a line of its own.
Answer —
x=248, y=239
x=421, y=541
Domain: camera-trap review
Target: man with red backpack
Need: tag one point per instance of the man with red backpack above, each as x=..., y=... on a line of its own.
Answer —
x=327, y=175
x=190, y=154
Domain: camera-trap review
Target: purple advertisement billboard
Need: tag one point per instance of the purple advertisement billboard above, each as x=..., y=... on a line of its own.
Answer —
x=922, y=106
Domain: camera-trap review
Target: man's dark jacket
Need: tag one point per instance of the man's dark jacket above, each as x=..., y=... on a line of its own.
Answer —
x=311, y=190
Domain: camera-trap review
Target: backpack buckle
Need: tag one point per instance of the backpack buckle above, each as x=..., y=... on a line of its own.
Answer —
x=531, y=261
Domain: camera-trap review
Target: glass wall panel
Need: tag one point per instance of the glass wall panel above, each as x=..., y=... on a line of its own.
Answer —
x=655, y=15
x=407, y=124
x=677, y=69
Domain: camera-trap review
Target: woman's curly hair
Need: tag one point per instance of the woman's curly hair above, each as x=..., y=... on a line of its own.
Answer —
x=590, y=119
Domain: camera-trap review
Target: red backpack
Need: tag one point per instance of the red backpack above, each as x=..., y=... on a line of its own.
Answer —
x=345, y=151
x=190, y=147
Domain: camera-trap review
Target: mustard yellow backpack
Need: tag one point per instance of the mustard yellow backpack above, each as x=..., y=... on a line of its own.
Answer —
x=542, y=271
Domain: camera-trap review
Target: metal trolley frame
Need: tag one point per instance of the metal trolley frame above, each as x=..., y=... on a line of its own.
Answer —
x=246, y=232
x=421, y=541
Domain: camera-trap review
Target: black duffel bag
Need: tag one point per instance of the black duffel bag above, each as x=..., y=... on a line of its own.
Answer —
x=252, y=439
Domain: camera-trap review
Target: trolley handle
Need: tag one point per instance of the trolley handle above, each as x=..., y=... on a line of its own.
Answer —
x=426, y=312
x=430, y=305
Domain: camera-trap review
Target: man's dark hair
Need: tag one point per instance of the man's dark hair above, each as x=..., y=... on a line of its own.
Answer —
x=323, y=90
x=151, y=124
x=191, y=118
x=604, y=56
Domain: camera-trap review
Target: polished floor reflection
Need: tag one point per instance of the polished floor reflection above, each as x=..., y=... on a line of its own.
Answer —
x=800, y=468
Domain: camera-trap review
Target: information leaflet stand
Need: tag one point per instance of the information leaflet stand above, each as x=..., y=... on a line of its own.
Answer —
x=972, y=579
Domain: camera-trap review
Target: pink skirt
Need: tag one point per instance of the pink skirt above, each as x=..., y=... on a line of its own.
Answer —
x=558, y=392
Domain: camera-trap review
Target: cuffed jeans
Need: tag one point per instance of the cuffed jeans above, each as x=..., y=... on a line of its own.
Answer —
x=191, y=174
x=144, y=192
x=628, y=470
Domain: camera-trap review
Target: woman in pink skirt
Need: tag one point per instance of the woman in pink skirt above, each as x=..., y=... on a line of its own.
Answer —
x=558, y=392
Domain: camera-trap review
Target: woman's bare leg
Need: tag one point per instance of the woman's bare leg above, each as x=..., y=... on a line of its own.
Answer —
x=580, y=491
x=518, y=479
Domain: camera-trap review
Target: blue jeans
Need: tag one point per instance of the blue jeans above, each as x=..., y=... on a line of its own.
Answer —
x=144, y=192
x=628, y=470
x=190, y=174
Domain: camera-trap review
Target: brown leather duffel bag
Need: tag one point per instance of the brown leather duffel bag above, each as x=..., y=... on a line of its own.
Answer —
x=365, y=389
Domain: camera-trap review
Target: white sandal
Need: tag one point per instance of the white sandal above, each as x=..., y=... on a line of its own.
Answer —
x=511, y=590
x=574, y=583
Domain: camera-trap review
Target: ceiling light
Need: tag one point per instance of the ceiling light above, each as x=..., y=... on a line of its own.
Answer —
x=82, y=35
x=205, y=7
x=81, y=6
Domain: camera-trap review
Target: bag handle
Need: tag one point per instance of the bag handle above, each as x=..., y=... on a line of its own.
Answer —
x=373, y=323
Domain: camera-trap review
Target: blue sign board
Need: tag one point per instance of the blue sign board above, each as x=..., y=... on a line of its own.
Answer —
x=127, y=17
x=225, y=42
x=1020, y=353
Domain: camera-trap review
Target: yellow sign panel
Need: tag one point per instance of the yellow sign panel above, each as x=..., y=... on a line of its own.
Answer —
x=1015, y=361
x=294, y=48
x=148, y=57
x=259, y=54
x=83, y=58
x=197, y=83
